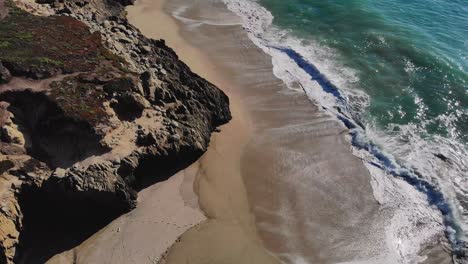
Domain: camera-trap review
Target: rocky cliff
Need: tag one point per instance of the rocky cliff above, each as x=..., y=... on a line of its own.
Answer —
x=91, y=112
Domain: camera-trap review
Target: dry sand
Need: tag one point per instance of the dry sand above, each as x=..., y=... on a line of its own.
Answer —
x=164, y=212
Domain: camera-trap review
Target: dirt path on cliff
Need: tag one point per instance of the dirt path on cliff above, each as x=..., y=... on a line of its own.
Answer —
x=3, y=9
x=19, y=83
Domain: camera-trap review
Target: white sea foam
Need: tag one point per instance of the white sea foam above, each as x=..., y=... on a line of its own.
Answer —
x=417, y=153
x=414, y=222
x=257, y=21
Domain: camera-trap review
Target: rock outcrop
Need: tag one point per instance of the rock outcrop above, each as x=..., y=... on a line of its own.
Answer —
x=119, y=113
x=5, y=75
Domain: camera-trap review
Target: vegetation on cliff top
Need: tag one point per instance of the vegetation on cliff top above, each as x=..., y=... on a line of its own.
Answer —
x=39, y=47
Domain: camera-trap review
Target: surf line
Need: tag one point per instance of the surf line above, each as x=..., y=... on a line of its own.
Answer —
x=434, y=196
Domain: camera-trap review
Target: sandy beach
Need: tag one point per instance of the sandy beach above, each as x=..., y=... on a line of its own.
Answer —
x=229, y=235
x=293, y=154
x=279, y=183
x=168, y=209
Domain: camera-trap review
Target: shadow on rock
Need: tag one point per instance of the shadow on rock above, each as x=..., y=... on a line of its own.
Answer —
x=56, y=223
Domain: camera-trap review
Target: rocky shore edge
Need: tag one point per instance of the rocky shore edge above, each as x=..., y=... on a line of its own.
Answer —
x=91, y=112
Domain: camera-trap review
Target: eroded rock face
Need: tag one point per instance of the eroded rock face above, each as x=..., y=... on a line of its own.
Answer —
x=5, y=75
x=52, y=136
x=17, y=170
x=9, y=221
x=121, y=113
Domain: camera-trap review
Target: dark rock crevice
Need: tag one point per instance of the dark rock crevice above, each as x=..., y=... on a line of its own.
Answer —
x=55, y=221
x=50, y=136
x=58, y=217
x=152, y=168
x=128, y=107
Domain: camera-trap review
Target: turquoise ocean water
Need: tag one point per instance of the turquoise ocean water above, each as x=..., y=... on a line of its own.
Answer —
x=411, y=57
x=394, y=71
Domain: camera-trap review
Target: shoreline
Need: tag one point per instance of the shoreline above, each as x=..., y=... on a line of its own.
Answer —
x=209, y=26
x=308, y=117
x=280, y=179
